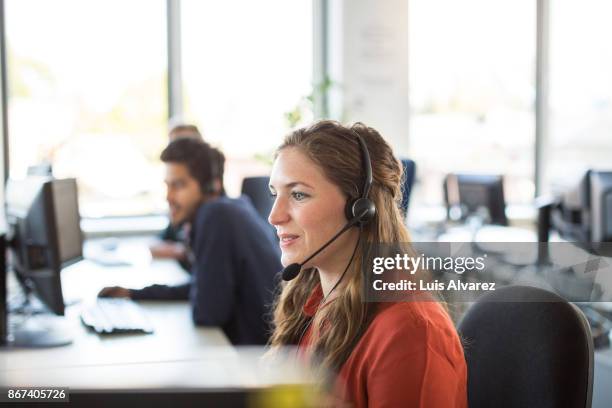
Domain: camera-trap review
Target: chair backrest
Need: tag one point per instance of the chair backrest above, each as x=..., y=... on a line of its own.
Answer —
x=527, y=347
x=409, y=175
x=256, y=188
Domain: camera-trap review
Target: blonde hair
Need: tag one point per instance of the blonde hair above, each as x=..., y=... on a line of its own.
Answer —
x=338, y=326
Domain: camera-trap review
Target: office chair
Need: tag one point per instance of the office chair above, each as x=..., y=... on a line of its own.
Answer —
x=409, y=175
x=256, y=188
x=527, y=347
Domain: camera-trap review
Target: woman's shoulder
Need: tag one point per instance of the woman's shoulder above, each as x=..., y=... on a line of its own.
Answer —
x=412, y=324
x=417, y=314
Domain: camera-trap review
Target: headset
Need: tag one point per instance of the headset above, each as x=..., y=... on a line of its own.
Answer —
x=214, y=161
x=362, y=210
x=359, y=211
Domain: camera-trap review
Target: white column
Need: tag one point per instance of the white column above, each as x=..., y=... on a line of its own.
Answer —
x=368, y=62
x=175, y=74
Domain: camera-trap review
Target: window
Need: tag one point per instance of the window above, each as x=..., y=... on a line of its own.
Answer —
x=88, y=94
x=580, y=90
x=245, y=66
x=472, y=89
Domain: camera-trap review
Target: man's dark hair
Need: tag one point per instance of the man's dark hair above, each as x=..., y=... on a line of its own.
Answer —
x=204, y=163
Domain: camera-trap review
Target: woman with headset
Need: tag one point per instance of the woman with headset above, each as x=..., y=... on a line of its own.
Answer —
x=336, y=194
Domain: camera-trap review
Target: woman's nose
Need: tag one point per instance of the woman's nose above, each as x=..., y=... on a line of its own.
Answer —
x=278, y=213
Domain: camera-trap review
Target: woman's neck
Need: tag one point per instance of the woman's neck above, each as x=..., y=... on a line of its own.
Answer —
x=331, y=273
x=328, y=281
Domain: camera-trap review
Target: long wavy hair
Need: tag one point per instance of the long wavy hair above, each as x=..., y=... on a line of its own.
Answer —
x=338, y=326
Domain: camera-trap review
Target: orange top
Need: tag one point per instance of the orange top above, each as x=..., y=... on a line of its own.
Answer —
x=409, y=356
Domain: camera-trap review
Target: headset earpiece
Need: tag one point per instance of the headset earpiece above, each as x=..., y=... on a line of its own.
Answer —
x=362, y=208
x=210, y=187
x=213, y=160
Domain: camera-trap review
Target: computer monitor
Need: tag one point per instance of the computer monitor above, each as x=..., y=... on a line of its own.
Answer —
x=475, y=195
x=3, y=289
x=582, y=213
x=44, y=235
x=44, y=229
x=601, y=206
x=42, y=169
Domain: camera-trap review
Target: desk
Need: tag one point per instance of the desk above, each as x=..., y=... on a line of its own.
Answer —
x=179, y=364
x=218, y=377
x=93, y=360
x=214, y=367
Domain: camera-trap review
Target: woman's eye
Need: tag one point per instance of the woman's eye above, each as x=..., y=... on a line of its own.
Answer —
x=298, y=195
x=272, y=194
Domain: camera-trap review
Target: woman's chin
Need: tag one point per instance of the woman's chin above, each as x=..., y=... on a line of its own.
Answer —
x=288, y=259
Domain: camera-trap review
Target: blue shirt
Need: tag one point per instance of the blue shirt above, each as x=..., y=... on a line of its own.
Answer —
x=236, y=260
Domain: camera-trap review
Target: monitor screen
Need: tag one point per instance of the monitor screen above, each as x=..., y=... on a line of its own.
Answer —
x=601, y=206
x=45, y=234
x=65, y=203
x=473, y=192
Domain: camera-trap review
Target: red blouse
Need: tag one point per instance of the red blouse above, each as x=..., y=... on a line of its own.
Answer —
x=409, y=356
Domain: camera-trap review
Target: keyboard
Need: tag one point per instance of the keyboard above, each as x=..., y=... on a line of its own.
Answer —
x=115, y=315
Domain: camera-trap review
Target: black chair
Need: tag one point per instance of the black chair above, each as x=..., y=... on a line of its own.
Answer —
x=258, y=190
x=409, y=175
x=527, y=347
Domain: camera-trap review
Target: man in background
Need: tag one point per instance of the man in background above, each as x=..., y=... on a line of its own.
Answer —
x=171, y=243
x=235, y=257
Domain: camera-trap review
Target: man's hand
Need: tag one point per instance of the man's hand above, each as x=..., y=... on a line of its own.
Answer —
x=114, y=291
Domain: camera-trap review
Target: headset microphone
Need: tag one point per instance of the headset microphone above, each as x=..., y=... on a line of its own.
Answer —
x=358, y=211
